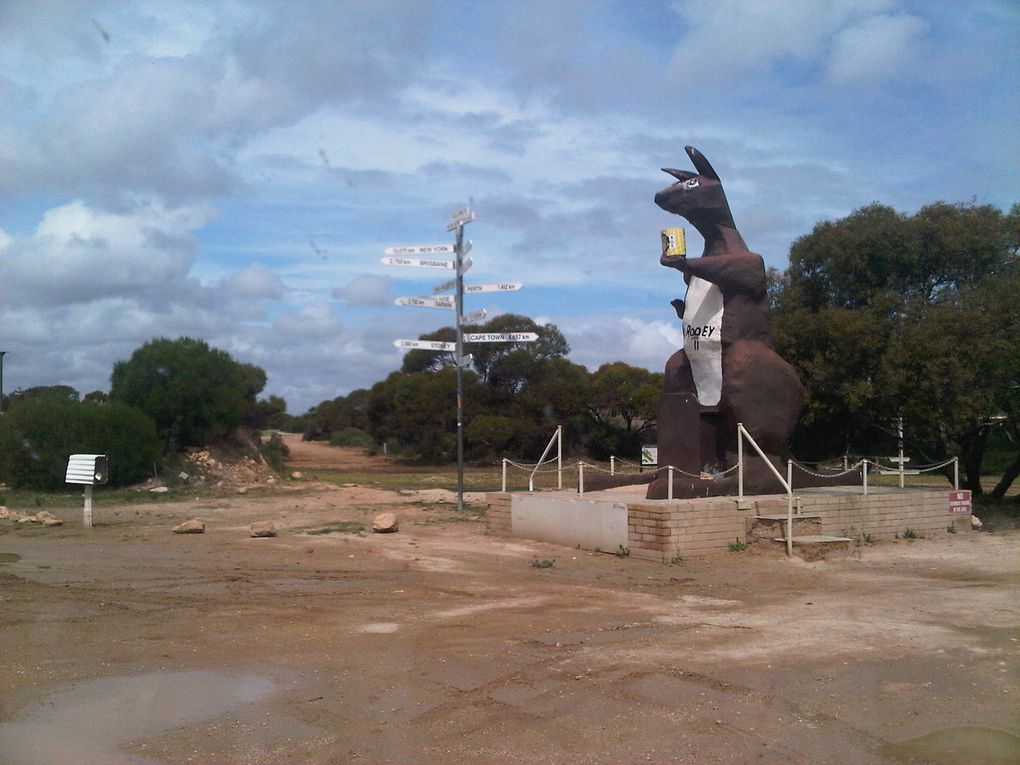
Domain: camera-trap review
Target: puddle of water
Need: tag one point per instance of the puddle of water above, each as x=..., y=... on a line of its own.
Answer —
x=965, y=745
x=9, y=558
x=86, y=723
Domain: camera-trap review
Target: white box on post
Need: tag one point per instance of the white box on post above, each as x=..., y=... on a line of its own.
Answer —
x=88, y=470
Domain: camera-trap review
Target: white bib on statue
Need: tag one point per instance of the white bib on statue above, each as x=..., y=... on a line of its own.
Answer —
x=703, y=312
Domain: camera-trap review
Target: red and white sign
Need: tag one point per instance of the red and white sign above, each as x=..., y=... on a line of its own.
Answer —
x=959, y=501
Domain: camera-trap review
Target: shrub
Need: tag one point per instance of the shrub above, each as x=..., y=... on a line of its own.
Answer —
x=38, y=435
x=275, y=452
x=351, y=437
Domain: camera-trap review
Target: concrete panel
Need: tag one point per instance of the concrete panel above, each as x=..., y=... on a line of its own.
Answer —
x=592, y=524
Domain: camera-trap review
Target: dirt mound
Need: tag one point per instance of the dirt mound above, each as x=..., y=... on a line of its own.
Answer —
x=236, y=462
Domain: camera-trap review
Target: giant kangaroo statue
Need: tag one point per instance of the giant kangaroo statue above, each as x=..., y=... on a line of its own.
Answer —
x=727, y=371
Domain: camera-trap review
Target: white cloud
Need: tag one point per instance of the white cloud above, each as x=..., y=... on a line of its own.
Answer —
x=312, y=321
x=597, y=340
x=256, y=281
x=78, y=253
x=736, y=38
x=875, y=50
x=365, y=291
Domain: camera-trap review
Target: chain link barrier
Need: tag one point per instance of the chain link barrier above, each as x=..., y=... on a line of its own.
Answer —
x=852, y=469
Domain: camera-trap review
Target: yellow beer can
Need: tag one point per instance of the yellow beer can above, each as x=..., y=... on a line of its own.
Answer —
x=673, y=244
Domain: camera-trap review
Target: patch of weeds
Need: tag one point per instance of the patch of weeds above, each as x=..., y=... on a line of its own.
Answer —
x=622, y=552
x=868, y=539
x=736, y=545
x=542, y=562
x=911, y=534
x=340, y=527
x=951, y=529
x=676, y=560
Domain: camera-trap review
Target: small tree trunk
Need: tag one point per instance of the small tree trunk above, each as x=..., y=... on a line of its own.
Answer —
x=1007, y=479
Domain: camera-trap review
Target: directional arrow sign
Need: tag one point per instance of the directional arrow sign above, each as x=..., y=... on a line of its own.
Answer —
x=422, y=249
x=459, y=218
x=501, y=287
x=500, y=337
x=474, y=317
x=444, y=287
x=465, y=266
x=466, y=247
x=425, y=345
x=420, y=263
x=426, y=302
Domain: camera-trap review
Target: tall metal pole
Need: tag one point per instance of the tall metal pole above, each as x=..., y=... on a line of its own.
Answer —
x=899, y=433
x=2, y=354
x=460, y=371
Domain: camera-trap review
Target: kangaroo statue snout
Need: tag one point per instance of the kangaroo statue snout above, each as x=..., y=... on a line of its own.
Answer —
x=727, y=371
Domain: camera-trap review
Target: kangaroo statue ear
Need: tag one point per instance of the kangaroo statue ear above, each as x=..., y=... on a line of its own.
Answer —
x=680, y=175
x=700, y=163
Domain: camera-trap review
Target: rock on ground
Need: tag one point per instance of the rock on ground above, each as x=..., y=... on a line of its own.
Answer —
x=262, y=529
x=385, y=523
x=190, y=526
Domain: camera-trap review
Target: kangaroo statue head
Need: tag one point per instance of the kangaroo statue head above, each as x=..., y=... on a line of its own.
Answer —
x=699, y=197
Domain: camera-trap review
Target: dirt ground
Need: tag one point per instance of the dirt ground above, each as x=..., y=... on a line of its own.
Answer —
x=129, y=644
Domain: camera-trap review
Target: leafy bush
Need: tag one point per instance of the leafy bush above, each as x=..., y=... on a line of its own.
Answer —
x=351, y=437
x=39, y=434
x=275, y=452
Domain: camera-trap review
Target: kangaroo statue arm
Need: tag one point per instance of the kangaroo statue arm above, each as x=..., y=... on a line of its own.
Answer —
x=739, y=273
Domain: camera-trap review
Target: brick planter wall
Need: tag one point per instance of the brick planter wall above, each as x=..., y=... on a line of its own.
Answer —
x=660, y=529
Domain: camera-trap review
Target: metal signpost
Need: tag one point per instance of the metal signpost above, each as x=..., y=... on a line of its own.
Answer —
x=399, y=256
x=2, y=354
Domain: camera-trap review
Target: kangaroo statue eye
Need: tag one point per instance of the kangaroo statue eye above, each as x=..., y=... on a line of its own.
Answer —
x=690, y=184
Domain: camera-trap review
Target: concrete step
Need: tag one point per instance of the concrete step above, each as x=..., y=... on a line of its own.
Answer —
x=768, y=527
x=813, y=547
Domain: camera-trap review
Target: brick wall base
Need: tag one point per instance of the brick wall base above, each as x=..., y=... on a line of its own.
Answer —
x=662, y=529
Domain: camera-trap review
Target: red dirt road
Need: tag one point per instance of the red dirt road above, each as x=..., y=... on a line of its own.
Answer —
x=437, y=644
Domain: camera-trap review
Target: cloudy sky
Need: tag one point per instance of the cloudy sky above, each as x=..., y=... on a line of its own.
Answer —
x=233, y=171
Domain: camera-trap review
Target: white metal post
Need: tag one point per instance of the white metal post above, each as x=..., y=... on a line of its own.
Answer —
x=504, y=476
x=864, y=472
x=580, y=478
x=87, y=519
x=789, y=508
x=956, y=473
x=669, y=491
x=740, y=459
x=559, y=457
x=612, y=465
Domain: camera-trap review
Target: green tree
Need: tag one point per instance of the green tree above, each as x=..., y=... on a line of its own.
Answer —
x=885, y=314
x=39, y=434
x=415, y=413
x=341, y=413
x=195, y=394
x=623, y=406
x=59, y=392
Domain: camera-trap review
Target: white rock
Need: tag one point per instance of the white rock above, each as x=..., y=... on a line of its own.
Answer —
x=975, y=522
x=296, y=475
x=385, y=523
x=183, y=476
x=242, y=489
x=190, y=526
x=159, y=490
